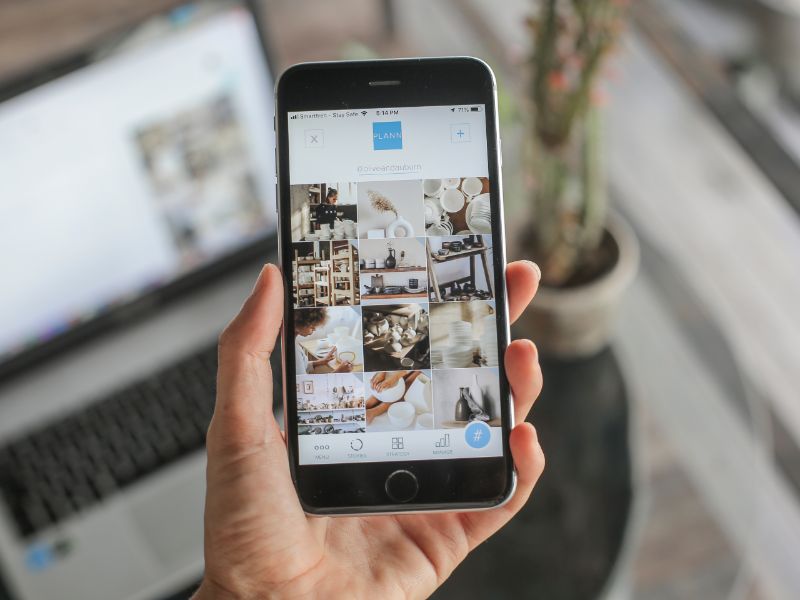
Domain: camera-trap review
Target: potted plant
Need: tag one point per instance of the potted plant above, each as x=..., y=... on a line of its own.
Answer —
x=587, y=255
x=778, y=23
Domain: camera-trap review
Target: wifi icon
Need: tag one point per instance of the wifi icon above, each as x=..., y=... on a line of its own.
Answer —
x=363, y=112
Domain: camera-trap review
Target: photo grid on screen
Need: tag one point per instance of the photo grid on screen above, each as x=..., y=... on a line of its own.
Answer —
x=392, y=284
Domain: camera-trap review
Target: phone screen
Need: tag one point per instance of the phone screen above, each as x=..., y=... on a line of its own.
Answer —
x=393, y=328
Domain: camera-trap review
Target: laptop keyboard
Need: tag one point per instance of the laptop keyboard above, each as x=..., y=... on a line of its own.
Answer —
x=77, y=461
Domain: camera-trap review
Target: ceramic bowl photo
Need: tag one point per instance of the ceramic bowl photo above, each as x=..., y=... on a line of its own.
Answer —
x=392, y=394
x=432, y=187
x=433, y=211
x=424, y=421
x=401, y=414
x=451, y=182
x=452, y=200
x=472, y=186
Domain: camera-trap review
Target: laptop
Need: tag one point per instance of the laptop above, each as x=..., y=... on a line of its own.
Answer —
x=137, y=205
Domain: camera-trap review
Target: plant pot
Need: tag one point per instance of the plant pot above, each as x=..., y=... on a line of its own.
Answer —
x=577, y=321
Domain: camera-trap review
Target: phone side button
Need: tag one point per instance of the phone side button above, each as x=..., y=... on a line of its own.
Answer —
x=402, y=486
x=500, y=151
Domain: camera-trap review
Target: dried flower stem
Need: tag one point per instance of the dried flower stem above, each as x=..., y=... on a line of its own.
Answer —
x=381, y=203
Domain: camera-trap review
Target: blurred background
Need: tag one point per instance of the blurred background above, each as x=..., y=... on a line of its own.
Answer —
x=651, y=166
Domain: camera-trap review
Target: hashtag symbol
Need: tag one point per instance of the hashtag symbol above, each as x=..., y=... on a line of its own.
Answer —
x=477, y=435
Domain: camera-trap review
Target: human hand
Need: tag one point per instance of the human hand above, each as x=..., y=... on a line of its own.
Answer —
x=344, y=367
x=388, y=380
x=377, y=380
x=329, y=356
x=259, y=542
x=376, y=410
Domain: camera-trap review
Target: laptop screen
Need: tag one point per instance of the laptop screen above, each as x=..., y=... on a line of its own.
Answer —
x=131, y=172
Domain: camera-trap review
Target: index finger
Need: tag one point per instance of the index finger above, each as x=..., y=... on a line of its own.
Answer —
x=522, y=281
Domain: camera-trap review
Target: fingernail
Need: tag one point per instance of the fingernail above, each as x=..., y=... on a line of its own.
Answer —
x=262, y=272
x=535, y=268
x=260, y=277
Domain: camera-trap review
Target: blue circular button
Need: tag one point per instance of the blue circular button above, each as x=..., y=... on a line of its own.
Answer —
x=477, y=434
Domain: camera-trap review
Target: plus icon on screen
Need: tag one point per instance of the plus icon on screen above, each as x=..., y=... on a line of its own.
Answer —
x=460, y=133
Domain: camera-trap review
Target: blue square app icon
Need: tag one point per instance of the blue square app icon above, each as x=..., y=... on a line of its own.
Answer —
x=387, y=135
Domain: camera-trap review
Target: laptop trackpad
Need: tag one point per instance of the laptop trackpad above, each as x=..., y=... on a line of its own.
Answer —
x=170, y=518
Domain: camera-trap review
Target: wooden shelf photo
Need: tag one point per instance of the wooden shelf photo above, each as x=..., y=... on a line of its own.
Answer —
x=395, y=270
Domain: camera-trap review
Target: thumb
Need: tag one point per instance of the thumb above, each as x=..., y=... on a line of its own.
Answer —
x=243, y=412
x=251, y=506
x=246, y=451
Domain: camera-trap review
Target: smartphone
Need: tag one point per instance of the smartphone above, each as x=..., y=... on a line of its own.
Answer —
x=396, y=323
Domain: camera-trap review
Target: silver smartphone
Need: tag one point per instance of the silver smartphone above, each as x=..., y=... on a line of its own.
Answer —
x=396, y=322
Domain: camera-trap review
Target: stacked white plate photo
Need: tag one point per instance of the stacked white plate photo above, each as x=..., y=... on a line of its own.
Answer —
x=437, y=358
x=488, y=341
x=344, y=229
x=479, y=214
x=459, y=353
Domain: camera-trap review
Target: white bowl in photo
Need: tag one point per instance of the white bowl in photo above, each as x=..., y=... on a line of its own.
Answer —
x=392, y=394
x=424, y=421
x=433, y=212
x=452, y=200
x=479, y=215
x=481, y=200
x=401, y=414
x=418, y=396
x=437, y=230
x=472, y=186
x=432, y=187
x=481, y=226
x=451, y=182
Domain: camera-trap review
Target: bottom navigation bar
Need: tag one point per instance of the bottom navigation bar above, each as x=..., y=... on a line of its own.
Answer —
x=474, y=441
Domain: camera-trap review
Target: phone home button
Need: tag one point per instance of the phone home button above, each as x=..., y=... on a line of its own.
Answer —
x=402, y=486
